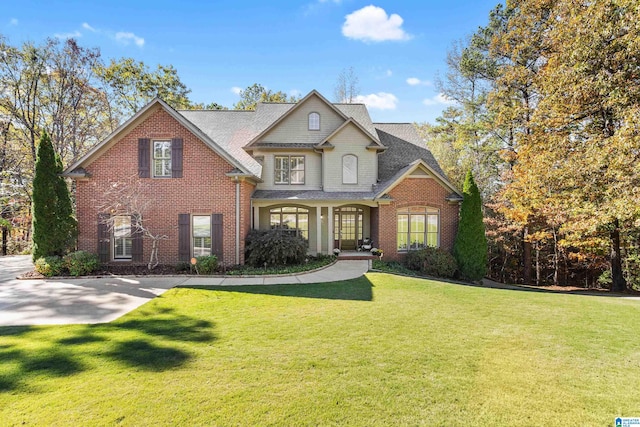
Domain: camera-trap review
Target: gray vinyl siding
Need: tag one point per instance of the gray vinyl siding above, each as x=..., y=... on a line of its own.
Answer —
x=350, y=140
x=294, y=128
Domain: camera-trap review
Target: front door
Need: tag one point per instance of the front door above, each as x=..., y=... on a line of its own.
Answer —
x=348, y=228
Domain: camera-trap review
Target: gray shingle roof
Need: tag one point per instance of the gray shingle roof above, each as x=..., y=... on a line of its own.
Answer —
x=311, y=195
x=404, y=147
x=360, y=114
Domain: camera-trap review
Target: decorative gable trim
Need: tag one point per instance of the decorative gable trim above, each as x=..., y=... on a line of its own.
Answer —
x=99, y=148
x=375, y=144
x=290, y=111
x=409, y=170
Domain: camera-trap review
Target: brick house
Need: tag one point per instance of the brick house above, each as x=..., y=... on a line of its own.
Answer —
x=314, y=168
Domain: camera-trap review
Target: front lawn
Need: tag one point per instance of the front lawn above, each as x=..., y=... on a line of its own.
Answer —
x=379, y=350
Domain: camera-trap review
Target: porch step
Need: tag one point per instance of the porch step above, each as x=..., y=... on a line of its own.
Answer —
x=355, y=255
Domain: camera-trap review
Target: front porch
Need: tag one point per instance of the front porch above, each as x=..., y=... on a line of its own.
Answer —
x=325, y=226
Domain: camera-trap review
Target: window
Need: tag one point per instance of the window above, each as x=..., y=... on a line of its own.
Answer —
x=122, y=241
x=289, y=170
x=291, y=219
x=417, y=228
x=162, y=158
x=314, y=121
x=349, y=169
x=201, y=235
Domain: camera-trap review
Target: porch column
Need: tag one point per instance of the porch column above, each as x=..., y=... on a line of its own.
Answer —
x=318, y=230
x=330, y=229
x=256, y=217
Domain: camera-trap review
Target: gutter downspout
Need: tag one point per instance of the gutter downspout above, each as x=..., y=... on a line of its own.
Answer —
x=237, y=221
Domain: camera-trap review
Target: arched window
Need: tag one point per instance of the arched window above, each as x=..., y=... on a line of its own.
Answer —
x=417, y=228
x=314, y=121
x=349, y=169
x=290, y=219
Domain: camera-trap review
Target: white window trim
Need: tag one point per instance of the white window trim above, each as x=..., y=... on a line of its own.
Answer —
x=125, y=257
x=289, y=169
x=315, y=114
x=153, y=158
x=192, y=232
x=427, y=210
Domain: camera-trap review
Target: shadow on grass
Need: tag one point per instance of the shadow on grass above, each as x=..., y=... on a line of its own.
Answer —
x=353, y=290
x=148, y=341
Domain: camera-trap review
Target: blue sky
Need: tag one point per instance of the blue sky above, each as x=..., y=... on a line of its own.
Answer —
x=396, y=48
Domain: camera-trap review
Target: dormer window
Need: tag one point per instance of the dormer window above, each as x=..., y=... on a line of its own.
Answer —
x=314, y=121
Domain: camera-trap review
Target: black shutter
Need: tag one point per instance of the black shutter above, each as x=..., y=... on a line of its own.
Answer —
x=184, y=237
x=136, y=239
x=144, y=157
x=176, y=158
x=216, y=236
x=104, y=243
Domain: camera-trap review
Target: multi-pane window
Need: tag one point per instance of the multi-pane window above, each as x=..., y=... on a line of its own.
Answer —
x=122, y=241
x=290, y=219
x=417, y=228
x=201, y=235
x=289, y=169
x=161, y=158
x=314, y=121
x=349, y=169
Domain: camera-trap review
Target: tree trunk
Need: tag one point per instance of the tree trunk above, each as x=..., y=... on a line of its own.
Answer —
x=555, y=257
x=618, y=284
x=4, y=240
x=526, y=257
x=537, y=248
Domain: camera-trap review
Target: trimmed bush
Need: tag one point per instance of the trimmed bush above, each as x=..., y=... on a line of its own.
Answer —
x=50, y=266
x=470, y=246
x=432, y=261
x=81, y=263
x=183, y=266
x=206, y=264
x=274, y=247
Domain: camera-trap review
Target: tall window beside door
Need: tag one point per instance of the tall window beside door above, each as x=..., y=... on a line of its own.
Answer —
x=418, y=227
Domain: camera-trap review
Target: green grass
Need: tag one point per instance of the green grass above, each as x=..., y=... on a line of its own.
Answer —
x=379, y=350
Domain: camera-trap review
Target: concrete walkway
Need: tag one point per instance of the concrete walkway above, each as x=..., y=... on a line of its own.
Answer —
x=71, y=301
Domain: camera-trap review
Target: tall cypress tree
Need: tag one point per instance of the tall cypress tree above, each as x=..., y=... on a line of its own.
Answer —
x=44, y=199
x=470, y=247
x=53, y=223
x=66, y=225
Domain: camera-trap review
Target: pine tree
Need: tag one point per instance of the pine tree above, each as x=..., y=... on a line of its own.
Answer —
x=470, y=247
x=53, y=224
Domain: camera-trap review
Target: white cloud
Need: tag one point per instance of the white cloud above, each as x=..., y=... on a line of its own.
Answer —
x=379, y=101
x=372, y=24
x=389, y=73
x=75, y=34
x=439, y=99
x=88, y=27
x=414, y=81
x=13, y=21
x=295, y=93
x=236, y=90
x=126, y=37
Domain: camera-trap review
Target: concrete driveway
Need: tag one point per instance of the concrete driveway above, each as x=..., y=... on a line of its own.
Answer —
x=71, y=301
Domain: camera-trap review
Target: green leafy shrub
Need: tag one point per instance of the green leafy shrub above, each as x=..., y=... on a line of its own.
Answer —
x=206, y=264
x=80, y=263
x=274, y=247
x=432, y=261
x=49, y=266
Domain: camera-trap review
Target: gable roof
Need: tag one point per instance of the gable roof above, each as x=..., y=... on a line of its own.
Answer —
x=351, y=122
x=313, y=93
x=157, y=102
x=405, y=153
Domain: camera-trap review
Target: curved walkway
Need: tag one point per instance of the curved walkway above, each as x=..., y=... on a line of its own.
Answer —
x=100, y=300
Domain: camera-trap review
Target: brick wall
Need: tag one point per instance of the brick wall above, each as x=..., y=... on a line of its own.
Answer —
x=203, y=189
x=416, y=192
